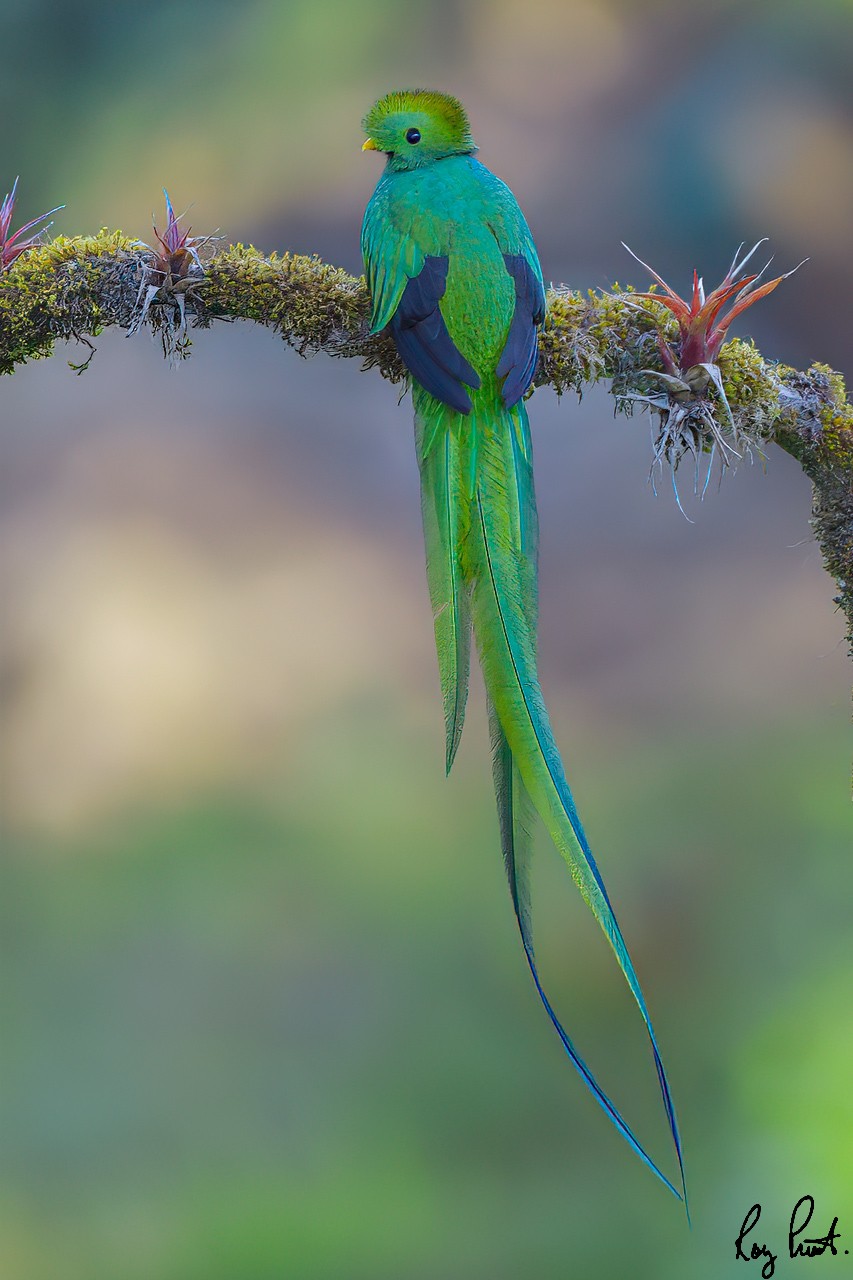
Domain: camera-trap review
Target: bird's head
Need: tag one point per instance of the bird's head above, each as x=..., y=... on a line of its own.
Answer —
x=416, y=127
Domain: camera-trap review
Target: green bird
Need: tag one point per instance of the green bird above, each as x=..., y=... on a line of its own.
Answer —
x=453, y=271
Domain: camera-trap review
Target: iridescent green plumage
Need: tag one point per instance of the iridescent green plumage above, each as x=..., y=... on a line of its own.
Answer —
x=452, y=268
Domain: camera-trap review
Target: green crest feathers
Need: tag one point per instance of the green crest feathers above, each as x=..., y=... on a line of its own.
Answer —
x=440, y=117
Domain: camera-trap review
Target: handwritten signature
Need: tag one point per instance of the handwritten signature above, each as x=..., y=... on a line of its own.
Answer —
x=799, y=1245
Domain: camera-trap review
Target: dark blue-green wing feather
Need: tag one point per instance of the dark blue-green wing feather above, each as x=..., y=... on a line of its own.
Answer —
x=424, y=343
x=517, y=364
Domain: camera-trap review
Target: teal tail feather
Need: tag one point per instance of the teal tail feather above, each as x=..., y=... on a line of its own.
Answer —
x=442, y=455
x=516, y=815
x=481, y=539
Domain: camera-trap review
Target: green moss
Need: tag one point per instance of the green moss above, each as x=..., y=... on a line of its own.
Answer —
x=816, y=428
x=836, y=419
x=752, y=389
x=312, y=305
x=61, y=289
x=591, y=336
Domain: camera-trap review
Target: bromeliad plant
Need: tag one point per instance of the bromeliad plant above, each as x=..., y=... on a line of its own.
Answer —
x=179, y=248
x=12, y=246
x=173, y=270
x=684, y=404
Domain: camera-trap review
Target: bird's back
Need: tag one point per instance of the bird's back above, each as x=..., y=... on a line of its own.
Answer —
x=457, y=208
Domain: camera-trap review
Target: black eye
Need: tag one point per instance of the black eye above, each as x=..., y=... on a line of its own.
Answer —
x=413, y=135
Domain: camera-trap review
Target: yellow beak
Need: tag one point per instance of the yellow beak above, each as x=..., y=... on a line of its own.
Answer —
x=370, y=145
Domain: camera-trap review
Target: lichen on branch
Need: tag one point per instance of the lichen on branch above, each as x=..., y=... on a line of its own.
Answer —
x=77, y=287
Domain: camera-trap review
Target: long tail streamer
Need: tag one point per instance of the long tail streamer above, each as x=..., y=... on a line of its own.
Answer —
x=481, y=541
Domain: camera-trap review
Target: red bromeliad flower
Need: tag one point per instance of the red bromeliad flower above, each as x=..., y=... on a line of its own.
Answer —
x=687, y=415
x=12, y=246
x=176, y=270
x=702, y=324
x=180, y=249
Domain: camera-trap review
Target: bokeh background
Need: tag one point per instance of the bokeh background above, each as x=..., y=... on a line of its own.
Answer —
x=264, y=1010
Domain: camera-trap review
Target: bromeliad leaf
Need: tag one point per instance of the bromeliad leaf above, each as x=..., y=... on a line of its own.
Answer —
x=12, y=246
x=702, y=325
x=179, y=249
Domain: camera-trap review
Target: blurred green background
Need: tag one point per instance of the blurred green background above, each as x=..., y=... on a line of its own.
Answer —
x=264, y=1010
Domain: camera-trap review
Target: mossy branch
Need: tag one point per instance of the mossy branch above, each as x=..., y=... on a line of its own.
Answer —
x=75, y=288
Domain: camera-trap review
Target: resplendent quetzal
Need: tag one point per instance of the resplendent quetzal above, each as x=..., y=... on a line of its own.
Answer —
x=452, y=269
